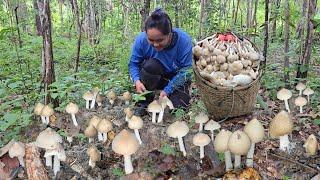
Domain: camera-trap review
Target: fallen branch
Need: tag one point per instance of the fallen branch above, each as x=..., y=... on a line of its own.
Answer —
x=34, y=166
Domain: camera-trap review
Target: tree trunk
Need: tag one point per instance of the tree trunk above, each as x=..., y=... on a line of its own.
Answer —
x=249, y=15
x=201, y=18
x=61, y=12
x=48, y=71
x=176, y=13
x=125, y=10
x=236, y=12
x=302, y=23
x=37, y=17
x=266, y=35
x=144, y=13
x=303, y=67
x=17, y=25
x=286, y=42
x=275, y=16
x=74, y=5
x=34, y=167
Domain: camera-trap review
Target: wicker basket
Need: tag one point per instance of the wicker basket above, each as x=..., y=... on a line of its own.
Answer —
x=223, y=102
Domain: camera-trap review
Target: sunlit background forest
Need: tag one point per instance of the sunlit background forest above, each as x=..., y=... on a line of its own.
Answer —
x=54, y=51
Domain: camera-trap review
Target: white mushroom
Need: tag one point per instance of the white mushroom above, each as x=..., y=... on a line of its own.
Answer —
x=178, y=130
x=128, y=112
x=201, y=140
x=308, y=92
x=255, y=131
x=58, y=154
x=94, y=156
x=17, y=150
x=211, y=126
x=95, y=92
x=201, y=118
x=37, y=110
x=285, y=95
x=88, y=96
x=136, y=123
x=281, y=126
x=112, y=96
x=154, y=107
x=47, y=111
x=73, y=109
x=221, y=146
x=126, y=144
x=300, y=87
x=127, y=97
x=311, y=145
x=103, y=127
x=300, y=101
x=239, y=144
x=90, y=132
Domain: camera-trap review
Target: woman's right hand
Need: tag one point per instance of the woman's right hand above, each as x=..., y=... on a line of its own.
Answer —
x=140, y=87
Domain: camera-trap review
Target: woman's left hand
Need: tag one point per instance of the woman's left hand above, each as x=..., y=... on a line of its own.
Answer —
x=163, y=94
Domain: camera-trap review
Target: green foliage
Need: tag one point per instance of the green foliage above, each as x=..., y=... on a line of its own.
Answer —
x=118, y=172
x=221, y=156
x=316, y=121
x=167, y=149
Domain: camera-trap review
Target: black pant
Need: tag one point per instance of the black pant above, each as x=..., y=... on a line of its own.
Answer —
x=154, y=77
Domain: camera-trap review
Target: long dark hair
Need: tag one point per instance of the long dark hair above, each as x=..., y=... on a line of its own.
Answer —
x=159, y=20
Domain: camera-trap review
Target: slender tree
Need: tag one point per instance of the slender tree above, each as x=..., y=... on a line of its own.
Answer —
x=266, y=33
x=286, y=41
x=144, y=13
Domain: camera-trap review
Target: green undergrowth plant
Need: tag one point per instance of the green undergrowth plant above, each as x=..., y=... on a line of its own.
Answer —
x=167, y=149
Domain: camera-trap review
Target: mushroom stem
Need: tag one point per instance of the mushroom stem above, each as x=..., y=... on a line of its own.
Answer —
x=250, y=156
x=49, y=161
x=90, y=140
x=74, y=120
x=91, y=163
x=237, y=161
x=104, y=137
x=127, y=118
x=287, y=105
x=212, y=136
x=56, y=165
x=100, y=137
x=200, y=127
x=47, y=120
x=69, y=139
x=127, y=103
x=21, y=161
x=87, y=104
x=284, y=142
x=154, y=117
x=228, y=162
x=160, y=117
x=43, y=120
x=300, y=92
x=127, y=164
x=111, y=102
x=136, y=132
x=301, y=110
x=93, y=102
x=201, y=152
x=181, y=146
x=308, y=98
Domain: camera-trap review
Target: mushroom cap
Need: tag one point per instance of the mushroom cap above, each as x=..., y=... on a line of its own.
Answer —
x=300, y=101
x=178, y=129
x=201, y=118
x=94, y=121
x=125, y=143
x=311, y=145
x=104, y=126
x=165, y=101
x=72, y=108
x=58, y=150
x=135, y=122
x=47, y=139
x=111, y=95
x=300, y=86
x=127, y=96
x=201, y=139
x=88, y=95
x=17, y=149
x=90, y=131
x=95, y=91
x=308, y=91
x=94, y=153
x=47, y=111
x=212, y=125
x=99, y=98
x=239, y=143
x=221, y=141
x=281, y=124
x=254, y=130
x=154, y=106
x=284, y=94
x=38, y=109
x=128, y=112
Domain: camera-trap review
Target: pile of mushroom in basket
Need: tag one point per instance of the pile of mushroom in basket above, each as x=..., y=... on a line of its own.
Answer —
x=227, y=60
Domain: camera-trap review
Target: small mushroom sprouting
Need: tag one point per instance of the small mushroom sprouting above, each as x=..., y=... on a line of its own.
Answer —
x=46, y=112
x=112, y=96
x=154, y=107
x=311, y=145
x=95, y=92
x=281, y=126
x=90, y=132
x=178, y=130
x=285, y=95
x=94, y=156
x=17, y=150
x=103, y=127
x=300, y=101
x=127, y=97
x=126, y=144
x=37, y=110
x=239, y=144
x=308, y=92
x=73, y=109
x=201, y=140
x=99, y=100
x=88, y=96
x=128, y=112
x=136, y=123
x=58, y=154
x=94, y=121
x=211, y=126
x=300, y=87
x=201, y=118
x=221, y=146
x=255, y=131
